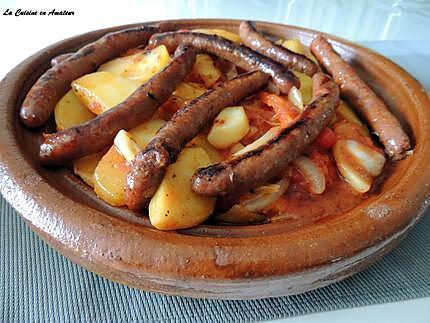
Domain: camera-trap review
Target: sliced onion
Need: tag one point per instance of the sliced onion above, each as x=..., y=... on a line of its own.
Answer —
x=357, y=163
x=369, y=159
x=312, y=174
x=295, y=97
x=269, y=135
x=265, y=195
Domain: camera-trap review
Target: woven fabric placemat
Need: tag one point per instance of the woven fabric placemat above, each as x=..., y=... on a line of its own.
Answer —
x=38, y=284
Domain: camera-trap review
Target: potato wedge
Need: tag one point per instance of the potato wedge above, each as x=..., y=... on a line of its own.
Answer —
x=140, y=66
x=125, y=144
x=175, y=205
x=202, y=142
x=70, y=112
x=305, y=87
x=296, y=46
x=144, y=133
x=188, y=91
x=221, y=33
x=343, y=111
x=204, y=67
x=229, y=127
x=101, y=91
x=110, y=177
x=84, y=167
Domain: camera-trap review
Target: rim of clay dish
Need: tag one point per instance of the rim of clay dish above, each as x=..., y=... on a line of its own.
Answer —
x=214, y=261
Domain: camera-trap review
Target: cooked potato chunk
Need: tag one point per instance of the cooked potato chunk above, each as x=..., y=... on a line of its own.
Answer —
x=175, y=205
x=294, y=45
x=110, y=177
x=101, y=91
x=126, y=145
x=358, y=163
x=229, y=127
x=204, y=67
x=70, y=112
x=140, y=66
x=189, y=90
x=305, y=86
x=343, y=111
x=144, y=133
x=202, y=142
x=221, y=33
x=84, y=167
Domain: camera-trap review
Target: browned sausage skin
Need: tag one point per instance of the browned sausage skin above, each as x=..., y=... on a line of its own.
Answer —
x=252, y=169
x=256, y=41
x=98, y=133
x=55, y=82
x=60, y=58
x=150, y=165
x=240, y=55
x=384, y=124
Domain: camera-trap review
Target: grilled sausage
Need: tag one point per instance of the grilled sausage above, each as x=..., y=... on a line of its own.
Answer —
x=360, y=95
x=60, y=58
x=240, y=55
x=238, y=175
x=55, y=82
x=98, y=133
x=256, y=41
x=150, y=165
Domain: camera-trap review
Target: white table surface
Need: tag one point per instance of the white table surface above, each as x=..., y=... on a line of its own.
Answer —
x=398, y=29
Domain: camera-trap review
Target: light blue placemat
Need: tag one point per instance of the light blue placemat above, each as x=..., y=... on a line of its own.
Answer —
x=38, y=284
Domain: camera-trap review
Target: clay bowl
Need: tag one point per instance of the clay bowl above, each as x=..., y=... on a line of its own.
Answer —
x=215, y=261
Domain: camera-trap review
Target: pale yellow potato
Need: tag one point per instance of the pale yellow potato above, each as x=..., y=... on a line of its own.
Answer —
x=140, y=66
x=174, y=205
x=296, y=46
x=343, y=111
x=110, y=177
x=205, y=68
x=70, y=112
x=189, y=90
x=101, y=91
x=305, y=86
x=126, y=146
x=84, y=167
x=202, y=142
x=229, y=127
x=221, y=33
x=144, y=133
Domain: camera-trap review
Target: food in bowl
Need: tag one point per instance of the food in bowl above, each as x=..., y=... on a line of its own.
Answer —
x=196, y=125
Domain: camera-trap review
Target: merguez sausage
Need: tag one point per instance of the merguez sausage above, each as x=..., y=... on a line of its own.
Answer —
x=360, y=95
x=98, y=133
x=240, y=55
x=60, y=58
x=54, y=83
x=256, y=41
x=254, y=168
x=150, y=165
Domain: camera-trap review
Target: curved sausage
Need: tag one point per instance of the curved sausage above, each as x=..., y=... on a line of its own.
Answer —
x=256, y=41
x=240, y=55
x=385, y=125
x=238, y=175
x=55, y=82
x=150, y=165
x=98, y=133
x=60, y=58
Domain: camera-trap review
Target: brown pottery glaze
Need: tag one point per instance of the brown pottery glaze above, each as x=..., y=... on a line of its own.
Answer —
x=227, y=262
